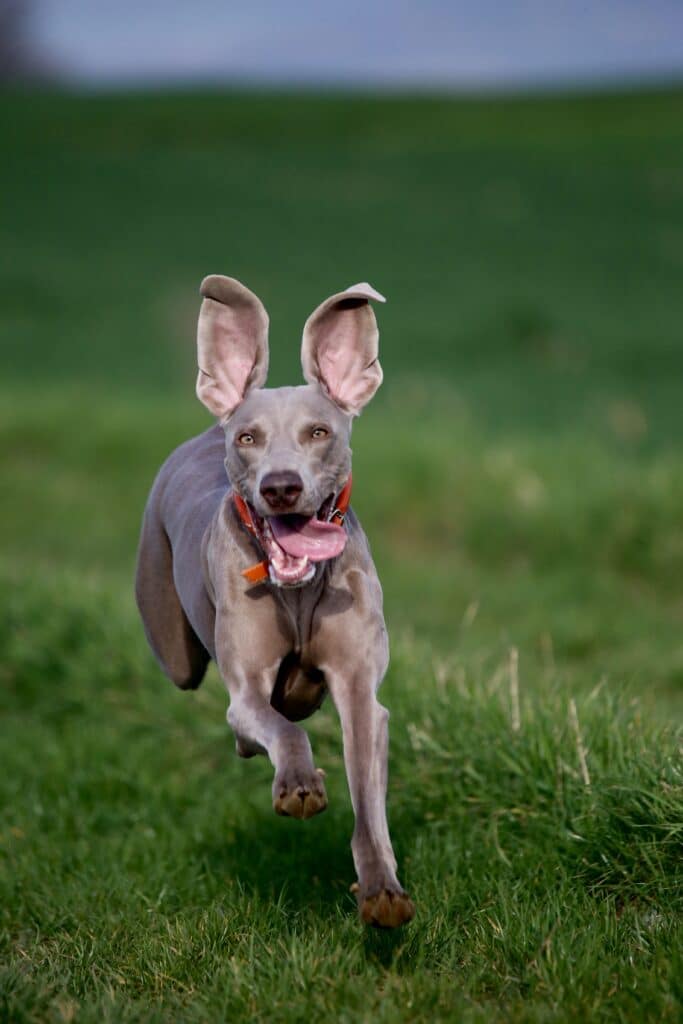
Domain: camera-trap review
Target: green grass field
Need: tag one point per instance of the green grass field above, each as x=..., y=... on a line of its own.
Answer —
x=520, y=476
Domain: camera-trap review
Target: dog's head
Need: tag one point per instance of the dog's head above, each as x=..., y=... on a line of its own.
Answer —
x=287, y=449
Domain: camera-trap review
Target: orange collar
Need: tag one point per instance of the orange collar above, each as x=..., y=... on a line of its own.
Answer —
x=259, y=572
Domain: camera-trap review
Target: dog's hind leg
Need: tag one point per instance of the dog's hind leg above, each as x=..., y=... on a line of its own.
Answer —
x=176, y=646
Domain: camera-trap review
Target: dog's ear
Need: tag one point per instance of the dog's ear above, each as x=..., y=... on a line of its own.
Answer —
x=339, y=348
x=232, y=344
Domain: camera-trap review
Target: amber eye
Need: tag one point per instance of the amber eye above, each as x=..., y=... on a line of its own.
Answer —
x=245, y=439
x=319, y=432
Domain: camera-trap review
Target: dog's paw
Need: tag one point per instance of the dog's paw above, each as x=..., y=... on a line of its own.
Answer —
x=387, y=908
x=299, y=795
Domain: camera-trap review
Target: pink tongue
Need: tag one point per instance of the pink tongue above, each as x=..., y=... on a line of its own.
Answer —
x=299, y=536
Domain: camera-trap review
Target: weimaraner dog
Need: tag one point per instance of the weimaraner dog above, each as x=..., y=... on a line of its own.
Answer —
x=271, y=480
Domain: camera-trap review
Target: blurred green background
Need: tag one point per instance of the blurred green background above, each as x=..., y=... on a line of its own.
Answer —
x=524, y=456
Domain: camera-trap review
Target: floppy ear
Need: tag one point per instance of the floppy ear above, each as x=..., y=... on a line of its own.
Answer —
x=339, y=348
x=232, y=344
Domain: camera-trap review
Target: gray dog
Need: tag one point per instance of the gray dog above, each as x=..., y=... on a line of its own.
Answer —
x=307, y=617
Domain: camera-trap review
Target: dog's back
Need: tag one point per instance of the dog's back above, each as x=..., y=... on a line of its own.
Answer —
x=176, y=609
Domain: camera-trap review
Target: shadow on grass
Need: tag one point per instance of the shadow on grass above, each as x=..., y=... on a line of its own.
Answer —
x=305, y=865
x=302, y=867
x=386, y=947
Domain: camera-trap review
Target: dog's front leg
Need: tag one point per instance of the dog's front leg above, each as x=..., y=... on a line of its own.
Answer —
x=298, y=789
x=381, y=898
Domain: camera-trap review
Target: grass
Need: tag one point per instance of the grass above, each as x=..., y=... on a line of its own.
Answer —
x=533, y=499
x=148, y=879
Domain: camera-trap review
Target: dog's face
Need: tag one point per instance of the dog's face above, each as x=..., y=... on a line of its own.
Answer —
x=288, y=456
x=287, y=449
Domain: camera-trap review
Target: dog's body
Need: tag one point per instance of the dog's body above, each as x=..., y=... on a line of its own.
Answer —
x=314, y=622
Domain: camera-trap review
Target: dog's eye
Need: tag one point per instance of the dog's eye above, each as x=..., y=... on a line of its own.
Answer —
x=245, y=439
x=319, y=432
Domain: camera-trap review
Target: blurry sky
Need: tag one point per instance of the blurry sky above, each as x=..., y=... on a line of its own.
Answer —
x=488, y=43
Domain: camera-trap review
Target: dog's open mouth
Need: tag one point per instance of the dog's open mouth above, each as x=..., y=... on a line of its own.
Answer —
x=294, y=543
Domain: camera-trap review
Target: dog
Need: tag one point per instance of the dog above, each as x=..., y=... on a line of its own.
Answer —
x=272, y=480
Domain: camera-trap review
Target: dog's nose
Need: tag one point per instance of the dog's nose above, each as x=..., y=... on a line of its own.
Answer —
x=281, y=490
